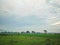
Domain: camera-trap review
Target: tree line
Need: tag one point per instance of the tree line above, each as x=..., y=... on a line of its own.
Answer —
x=27, y=32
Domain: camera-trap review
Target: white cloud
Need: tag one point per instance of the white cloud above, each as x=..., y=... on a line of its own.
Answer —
x=26, y=7
x=22, y=7
x=56, y=23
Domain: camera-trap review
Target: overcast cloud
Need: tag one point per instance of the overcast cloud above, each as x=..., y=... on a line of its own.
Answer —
x=37, y=15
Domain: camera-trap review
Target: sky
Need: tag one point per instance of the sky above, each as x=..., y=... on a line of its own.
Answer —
x=32, y=15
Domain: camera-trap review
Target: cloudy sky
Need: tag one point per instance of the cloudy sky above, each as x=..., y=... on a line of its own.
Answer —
x=36, y=15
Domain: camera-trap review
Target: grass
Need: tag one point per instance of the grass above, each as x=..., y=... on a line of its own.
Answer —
x=30, y=39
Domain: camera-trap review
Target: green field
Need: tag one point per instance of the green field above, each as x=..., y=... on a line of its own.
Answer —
x=30, y=39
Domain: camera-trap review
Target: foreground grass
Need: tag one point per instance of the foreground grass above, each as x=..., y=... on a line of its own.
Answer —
x=30, y=39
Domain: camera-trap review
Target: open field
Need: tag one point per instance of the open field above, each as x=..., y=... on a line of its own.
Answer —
x=30, y=39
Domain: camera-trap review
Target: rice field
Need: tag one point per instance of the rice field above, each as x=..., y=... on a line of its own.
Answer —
x=30, y=39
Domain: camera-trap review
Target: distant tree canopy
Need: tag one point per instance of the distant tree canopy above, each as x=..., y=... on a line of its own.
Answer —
x=45, y=31
x=27, y=31
x=22, y=32
x=33, y=31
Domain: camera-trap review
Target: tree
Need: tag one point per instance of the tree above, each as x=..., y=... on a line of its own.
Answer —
x=45, y=31
x=27, y=32
x=33, y=31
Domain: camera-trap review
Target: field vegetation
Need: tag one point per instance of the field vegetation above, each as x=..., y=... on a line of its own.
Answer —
x=30, y=39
